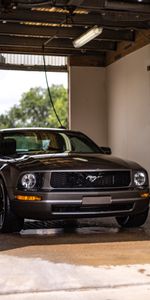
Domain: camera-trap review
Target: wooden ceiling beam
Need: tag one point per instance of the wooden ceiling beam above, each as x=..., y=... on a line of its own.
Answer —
x=108, y=19
x=75, y=2
x=96, y=5
x=127, y=6
x=86, y=61
x=74, y=32
x=117, y=35
x=59, y=44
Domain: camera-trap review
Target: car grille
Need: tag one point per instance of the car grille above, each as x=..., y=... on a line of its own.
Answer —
x=81, y=180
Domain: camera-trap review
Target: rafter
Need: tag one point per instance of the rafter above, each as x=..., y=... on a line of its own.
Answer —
x=56, y=43
x=127, y=6
x=107, y=20
x=96, y=5
x=71, y=33
x=75, y=2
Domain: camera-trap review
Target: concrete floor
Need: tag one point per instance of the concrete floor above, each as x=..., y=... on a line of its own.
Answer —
x=93, y=243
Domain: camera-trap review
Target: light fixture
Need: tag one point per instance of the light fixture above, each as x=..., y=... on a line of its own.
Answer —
x=87, y=36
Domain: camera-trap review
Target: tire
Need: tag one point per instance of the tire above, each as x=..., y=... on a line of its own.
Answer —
x=8, y=221
x=70, y=225
x=132, y=220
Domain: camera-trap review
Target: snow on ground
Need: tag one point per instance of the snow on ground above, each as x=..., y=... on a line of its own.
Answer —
x=37, y=279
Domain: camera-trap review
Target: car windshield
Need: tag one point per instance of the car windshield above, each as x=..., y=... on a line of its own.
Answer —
x=48, y=141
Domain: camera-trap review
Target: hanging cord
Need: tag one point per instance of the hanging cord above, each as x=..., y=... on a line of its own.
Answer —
x=49, y=92
x=45, y=71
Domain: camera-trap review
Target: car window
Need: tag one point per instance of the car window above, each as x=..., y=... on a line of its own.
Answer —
x=79, y=145
x=25, y=142
x=37, y=141
x=51, y=141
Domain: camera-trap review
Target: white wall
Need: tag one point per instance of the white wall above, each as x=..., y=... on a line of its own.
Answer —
x=128, y=96
x=88, y=109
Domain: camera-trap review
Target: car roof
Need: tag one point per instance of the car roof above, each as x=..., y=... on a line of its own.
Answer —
x=32, y=128
x=40, y=129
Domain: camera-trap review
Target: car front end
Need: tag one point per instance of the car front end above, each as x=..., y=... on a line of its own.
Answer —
x=77, y=193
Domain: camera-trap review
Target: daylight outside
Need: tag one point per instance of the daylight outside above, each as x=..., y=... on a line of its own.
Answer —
x=24, y=97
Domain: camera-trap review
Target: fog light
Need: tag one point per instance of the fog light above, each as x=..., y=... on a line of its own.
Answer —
x=145, y=195
x=28, y=198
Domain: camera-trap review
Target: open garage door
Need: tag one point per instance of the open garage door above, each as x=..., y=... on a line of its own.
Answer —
x=27, y=62
x=25, y=90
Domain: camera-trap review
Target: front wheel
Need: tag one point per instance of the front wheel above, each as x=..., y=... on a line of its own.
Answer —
x=70, y=225
x=8, y=221
x=132, y=220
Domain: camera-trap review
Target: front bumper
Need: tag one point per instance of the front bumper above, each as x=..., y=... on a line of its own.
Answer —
x=81, y=205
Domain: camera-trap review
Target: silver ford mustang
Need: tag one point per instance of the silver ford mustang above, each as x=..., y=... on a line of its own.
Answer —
x=54, y=173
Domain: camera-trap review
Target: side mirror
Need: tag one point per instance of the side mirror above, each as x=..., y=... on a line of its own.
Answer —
x=8, y=147
x=106, y=150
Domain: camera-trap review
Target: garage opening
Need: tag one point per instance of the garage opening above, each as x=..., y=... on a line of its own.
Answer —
x=24, y=98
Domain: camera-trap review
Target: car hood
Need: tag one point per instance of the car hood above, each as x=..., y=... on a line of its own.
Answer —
x=70, y=161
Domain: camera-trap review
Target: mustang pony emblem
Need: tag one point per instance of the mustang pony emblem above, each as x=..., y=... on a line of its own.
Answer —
x=93, y=178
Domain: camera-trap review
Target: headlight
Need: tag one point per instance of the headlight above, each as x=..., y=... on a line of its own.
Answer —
x=28, y=181
x=139, y=178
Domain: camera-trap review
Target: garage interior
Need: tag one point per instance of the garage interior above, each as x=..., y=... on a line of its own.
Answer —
x=109, y=77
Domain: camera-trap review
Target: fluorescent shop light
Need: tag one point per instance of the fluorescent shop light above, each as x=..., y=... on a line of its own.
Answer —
x=87, y=36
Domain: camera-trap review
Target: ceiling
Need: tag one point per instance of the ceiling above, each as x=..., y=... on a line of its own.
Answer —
x=37, y=26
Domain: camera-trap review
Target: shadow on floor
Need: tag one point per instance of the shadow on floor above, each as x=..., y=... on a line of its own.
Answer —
x=86, y=231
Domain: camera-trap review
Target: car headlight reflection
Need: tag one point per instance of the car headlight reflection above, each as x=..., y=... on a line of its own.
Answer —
x=139, y=178
x=28, y=181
